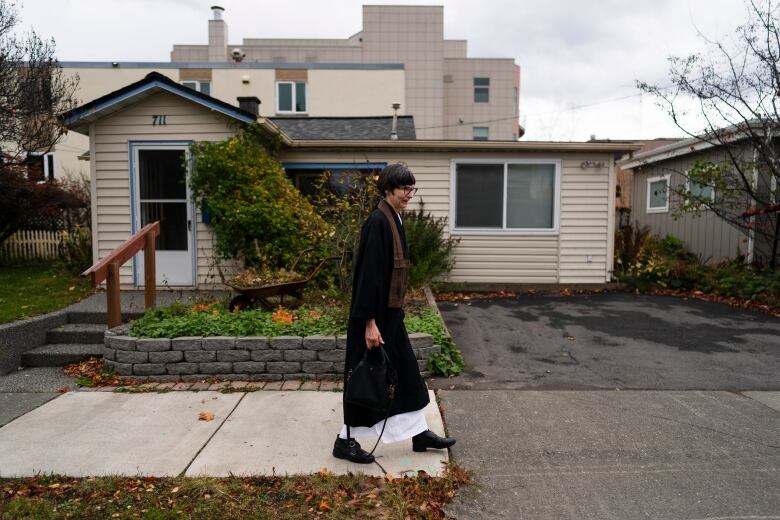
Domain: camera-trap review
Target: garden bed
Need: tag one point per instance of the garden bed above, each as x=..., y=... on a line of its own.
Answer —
x=192, y=342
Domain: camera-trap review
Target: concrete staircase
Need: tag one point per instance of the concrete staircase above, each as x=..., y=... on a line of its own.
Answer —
x=75, y=341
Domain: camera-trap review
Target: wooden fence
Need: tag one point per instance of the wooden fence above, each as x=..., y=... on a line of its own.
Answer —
x=31, y=244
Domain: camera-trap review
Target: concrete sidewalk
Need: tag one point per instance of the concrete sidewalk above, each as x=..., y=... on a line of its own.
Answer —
x=607, y=455
x=160, y=434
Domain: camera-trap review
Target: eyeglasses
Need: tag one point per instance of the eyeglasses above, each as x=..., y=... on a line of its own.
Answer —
x=409, y=190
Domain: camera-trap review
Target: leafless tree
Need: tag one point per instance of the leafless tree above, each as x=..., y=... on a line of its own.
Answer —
x=33, y=92
x=733, y=88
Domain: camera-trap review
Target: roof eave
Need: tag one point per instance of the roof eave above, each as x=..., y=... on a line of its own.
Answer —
x=508, y=146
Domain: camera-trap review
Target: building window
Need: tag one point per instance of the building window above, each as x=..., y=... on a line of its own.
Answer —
x=658, y=194
x=506, y=196
x=480, y=133
x=291, y=97
x=481, y=90
x=204, y=87
x=700, y=191
x=40, y=166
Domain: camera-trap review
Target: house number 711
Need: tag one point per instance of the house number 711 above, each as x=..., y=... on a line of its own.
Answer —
x=159, y=120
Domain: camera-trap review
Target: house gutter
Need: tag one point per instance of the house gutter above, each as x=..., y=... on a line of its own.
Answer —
x=477, y=146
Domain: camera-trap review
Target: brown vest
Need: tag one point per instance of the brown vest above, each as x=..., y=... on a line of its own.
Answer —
x=400, y=275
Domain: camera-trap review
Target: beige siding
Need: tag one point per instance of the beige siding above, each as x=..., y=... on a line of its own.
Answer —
x=585, y=229
x=111, y=176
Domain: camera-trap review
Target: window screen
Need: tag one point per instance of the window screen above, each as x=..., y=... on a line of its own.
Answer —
x=480, y=195
x=481, y=90
x=658, y=191
x=285, y=97
x=530, y=201
x=300, y=97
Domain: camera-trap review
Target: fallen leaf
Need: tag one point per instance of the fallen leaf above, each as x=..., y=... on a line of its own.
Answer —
x=206, y=416
x=72, y=288
x=174, y=490
x=324, y=506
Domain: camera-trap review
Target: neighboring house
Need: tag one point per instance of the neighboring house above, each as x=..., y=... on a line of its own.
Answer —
x=526, y=212
x=399, y=56
x=660, y=177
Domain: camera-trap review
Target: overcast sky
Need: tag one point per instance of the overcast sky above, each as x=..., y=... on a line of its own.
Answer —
x=579, y=60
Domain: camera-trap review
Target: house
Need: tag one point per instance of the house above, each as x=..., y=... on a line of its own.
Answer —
x=526, y=212
x=399, y=56
x=660, y=181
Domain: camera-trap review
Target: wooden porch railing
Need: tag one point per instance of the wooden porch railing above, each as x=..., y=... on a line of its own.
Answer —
x=108, y=269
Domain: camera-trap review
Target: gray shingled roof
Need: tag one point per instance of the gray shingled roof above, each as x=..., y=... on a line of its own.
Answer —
x=345, y=128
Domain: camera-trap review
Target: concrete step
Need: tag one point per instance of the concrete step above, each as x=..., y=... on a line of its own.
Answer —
x=57, y=355
x=79, y=333
x=98, y=317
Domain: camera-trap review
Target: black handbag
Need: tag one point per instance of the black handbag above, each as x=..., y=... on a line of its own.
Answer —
x=371, y=383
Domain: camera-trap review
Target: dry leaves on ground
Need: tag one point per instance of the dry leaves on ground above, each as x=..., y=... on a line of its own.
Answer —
x=205, y=416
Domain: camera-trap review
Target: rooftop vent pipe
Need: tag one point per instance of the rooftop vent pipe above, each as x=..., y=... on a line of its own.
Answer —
x=217, y=12
x=394, y=130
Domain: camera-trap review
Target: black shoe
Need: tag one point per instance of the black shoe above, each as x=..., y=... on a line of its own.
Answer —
x=350, y=450
x=428, y=439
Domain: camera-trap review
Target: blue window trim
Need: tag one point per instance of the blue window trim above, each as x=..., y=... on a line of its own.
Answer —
x=333, y=166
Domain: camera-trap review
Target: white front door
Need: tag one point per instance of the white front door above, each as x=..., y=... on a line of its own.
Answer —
x=161, y=192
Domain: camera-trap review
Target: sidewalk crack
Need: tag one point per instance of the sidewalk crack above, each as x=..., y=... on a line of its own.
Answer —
x=184, y=471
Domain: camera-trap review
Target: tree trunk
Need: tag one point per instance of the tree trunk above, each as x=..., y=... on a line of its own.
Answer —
x=773, y=259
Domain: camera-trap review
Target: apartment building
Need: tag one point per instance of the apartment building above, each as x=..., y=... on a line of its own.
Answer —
x=450, y=95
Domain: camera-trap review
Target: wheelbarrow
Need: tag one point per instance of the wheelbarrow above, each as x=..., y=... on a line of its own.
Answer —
x=249, y=297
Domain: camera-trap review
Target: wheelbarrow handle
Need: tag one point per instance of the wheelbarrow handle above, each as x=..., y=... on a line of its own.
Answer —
x=300, y=255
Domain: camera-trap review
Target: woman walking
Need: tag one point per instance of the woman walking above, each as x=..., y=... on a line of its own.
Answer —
x=377, y=321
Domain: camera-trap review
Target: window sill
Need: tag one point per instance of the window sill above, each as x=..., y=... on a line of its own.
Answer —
x=503, y=232
x=657, y=210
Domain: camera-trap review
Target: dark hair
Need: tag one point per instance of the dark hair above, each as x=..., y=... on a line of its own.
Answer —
x=394, y=176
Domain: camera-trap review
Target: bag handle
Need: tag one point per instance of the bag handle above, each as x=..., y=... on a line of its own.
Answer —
x=385, y=361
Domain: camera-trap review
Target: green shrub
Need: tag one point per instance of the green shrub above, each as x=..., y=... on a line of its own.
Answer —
x=430, y=252
x=629, y=243
x=664, y=262
x=76, y=249
x=448, y=361
x=256, y=212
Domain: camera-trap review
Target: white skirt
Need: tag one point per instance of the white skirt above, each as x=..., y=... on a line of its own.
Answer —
x=399, y=427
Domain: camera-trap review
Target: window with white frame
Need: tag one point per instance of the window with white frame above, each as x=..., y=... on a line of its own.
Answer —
x=481, y=90
x=202, y=86
x=700, y=191
x=40, y=166
x=480, y=133
x=291, y=97
x=658, y=194
x=506, y=196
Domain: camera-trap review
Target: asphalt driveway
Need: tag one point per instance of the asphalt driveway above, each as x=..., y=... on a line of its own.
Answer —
x=609, y=341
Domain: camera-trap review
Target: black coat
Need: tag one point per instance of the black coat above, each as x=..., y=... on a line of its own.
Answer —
x=370, y=292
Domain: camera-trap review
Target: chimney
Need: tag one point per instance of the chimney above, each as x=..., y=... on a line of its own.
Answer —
x=249, y=104
x=394, y=130
x=218, y=35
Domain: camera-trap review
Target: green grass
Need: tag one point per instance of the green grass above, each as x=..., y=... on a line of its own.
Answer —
x=37, y=288
x=321, y=495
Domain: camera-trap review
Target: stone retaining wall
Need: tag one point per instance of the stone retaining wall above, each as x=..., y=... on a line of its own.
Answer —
x=237, y=358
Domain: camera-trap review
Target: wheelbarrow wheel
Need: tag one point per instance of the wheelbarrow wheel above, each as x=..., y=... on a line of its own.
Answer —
x=240, y=302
